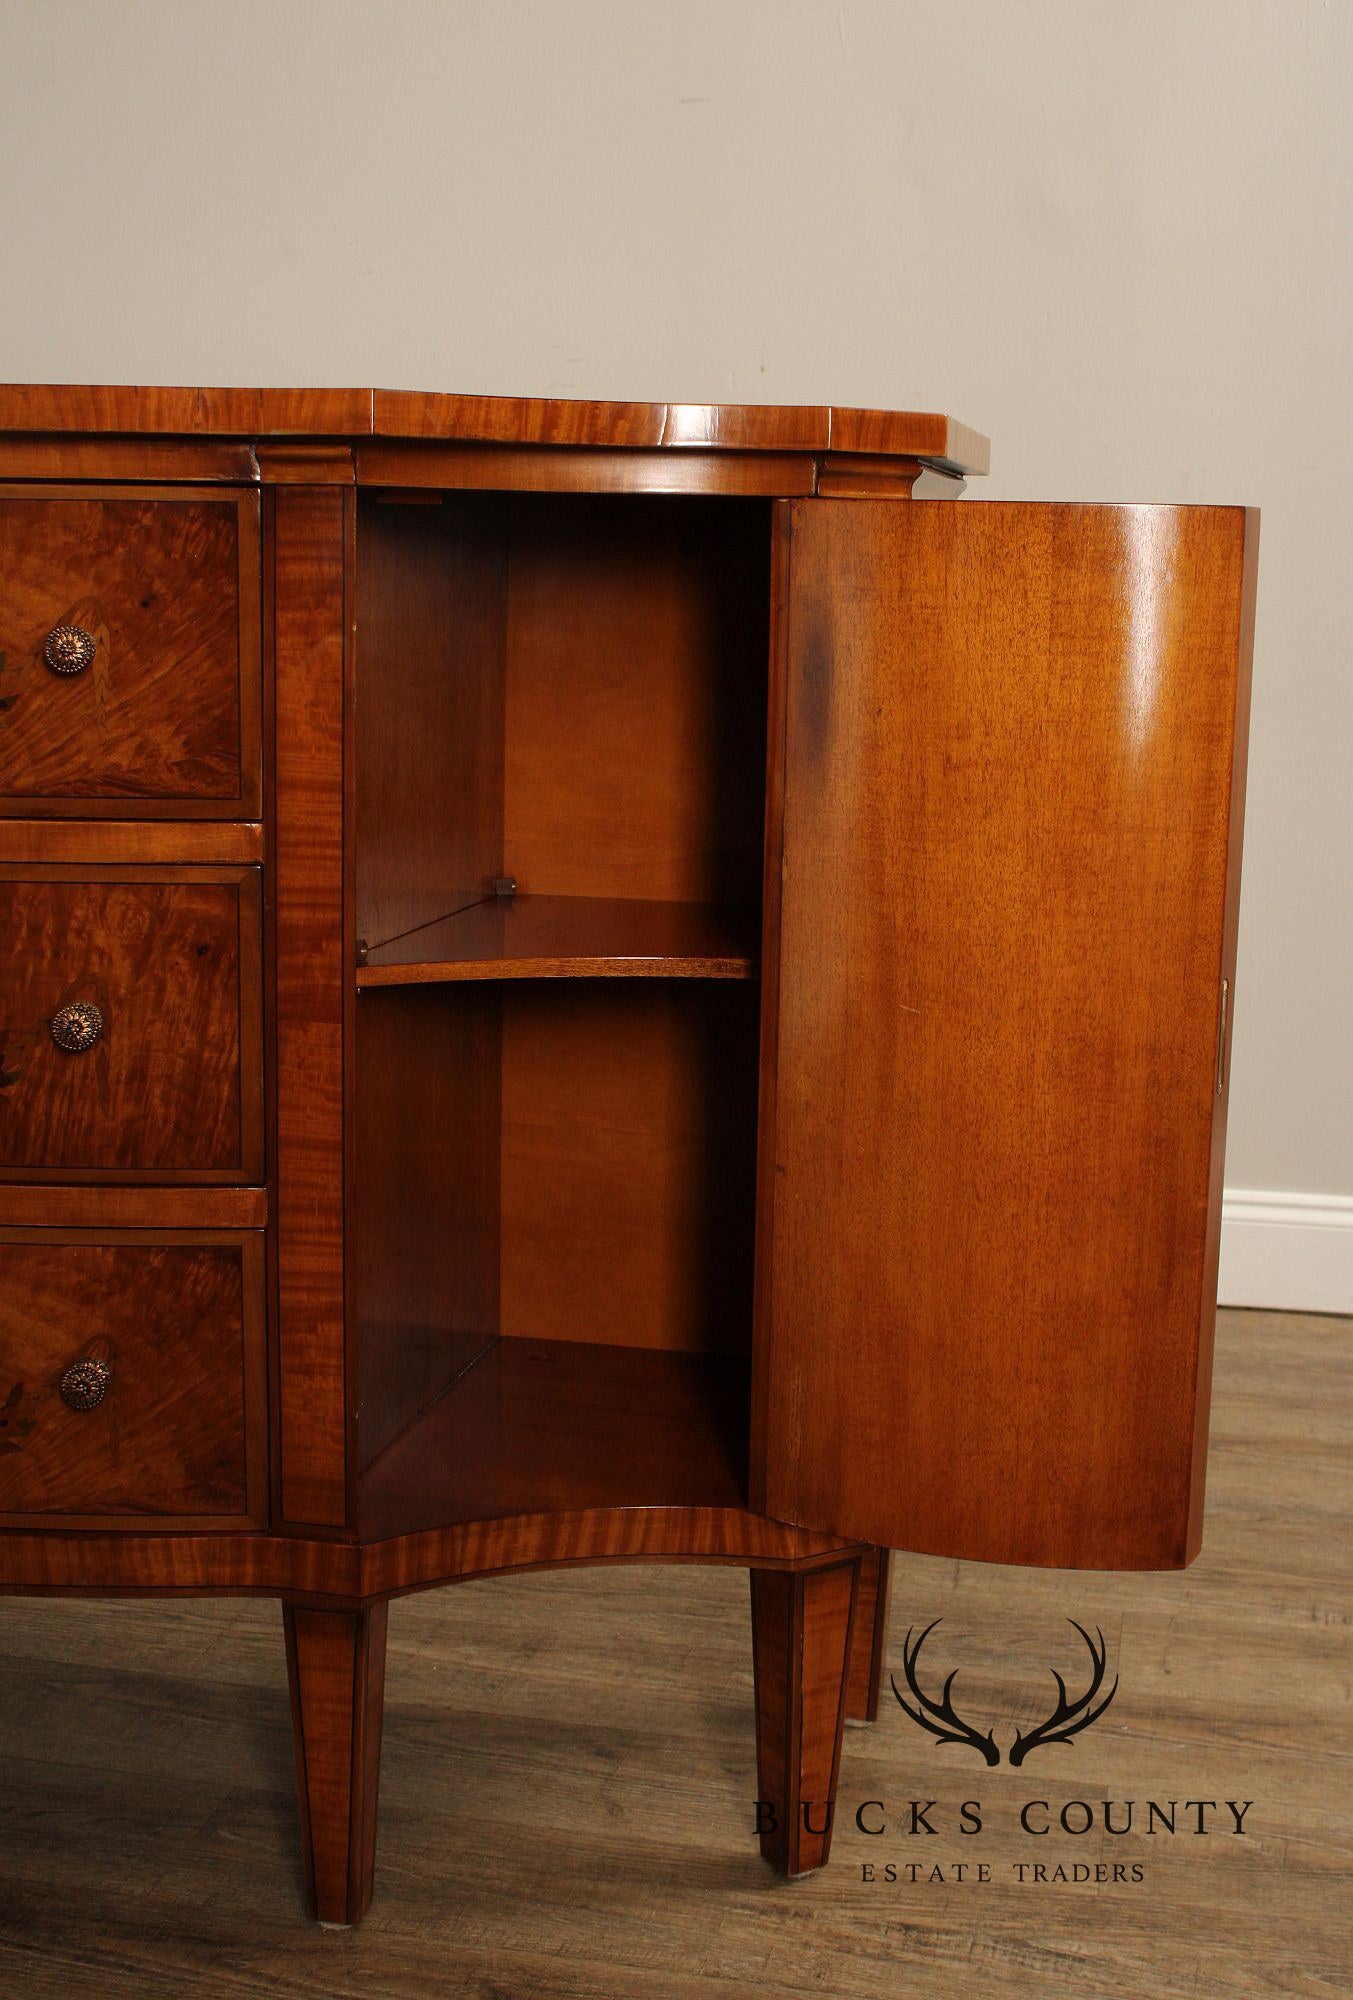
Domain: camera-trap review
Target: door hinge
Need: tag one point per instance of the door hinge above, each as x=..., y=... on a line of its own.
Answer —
x=1221, y=1035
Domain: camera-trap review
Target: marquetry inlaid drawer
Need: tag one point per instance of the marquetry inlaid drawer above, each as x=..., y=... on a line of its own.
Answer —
x=130, y=1023
x=129, y=651
x=131, y=1376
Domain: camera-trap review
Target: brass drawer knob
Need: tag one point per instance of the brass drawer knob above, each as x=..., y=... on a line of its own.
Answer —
x=69, y=649
x=77, y=1027
x=85, y=1384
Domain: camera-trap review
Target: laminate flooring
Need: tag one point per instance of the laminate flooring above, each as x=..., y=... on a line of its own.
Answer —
x=568, y=1783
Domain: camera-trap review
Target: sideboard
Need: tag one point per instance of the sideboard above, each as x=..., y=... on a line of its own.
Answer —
x=599, y=982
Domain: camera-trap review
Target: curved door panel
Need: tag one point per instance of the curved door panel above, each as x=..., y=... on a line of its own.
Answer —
x=995, y=1044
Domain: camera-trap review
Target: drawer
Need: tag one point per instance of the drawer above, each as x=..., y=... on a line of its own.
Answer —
x=147, y=699
x=131, y=1377
x=130, y=1023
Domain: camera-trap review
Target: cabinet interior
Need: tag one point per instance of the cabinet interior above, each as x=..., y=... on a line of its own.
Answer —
x=559, y=775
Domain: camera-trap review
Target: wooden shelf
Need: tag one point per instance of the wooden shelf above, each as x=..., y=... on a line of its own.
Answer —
x=561, y=1425
x=569, y=937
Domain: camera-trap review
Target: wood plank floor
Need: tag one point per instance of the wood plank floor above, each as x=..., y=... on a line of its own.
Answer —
x=566, y=1804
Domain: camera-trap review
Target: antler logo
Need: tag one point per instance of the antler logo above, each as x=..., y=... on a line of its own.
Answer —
x=939, y=1717
x=943, y=1722
x=1069, y=1717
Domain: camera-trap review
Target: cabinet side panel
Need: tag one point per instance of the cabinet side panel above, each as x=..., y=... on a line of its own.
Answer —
x=767, y=1135
x=423, y=1243
x=1009, y=734
x=1249, y=580
x=313, y=975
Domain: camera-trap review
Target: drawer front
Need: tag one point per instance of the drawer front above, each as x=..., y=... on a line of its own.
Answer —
x=130, y=1023
x=131, y=1377
x=130, y=677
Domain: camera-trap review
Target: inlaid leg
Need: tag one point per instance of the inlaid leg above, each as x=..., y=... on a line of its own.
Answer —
x=867, y=1641
x=336, y=1666
x=801, y=1653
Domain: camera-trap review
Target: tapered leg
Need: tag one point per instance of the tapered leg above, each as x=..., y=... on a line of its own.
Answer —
x=801, y=1629
x=867, y=1640
x=336, y=1666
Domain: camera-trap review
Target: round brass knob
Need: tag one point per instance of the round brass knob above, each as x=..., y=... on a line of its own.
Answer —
x=69, y=649
x=85, y=1383
x=77, y=1027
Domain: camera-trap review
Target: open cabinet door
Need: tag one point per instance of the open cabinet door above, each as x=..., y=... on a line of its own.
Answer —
x=1004, y=844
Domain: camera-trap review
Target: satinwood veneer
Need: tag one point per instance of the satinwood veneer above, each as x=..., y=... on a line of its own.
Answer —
x=596, y=982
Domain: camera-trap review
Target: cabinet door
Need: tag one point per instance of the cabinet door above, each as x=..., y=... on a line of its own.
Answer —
x=1006, y=796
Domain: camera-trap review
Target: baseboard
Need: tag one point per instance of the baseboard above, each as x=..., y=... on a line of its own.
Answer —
x=1289, y=1251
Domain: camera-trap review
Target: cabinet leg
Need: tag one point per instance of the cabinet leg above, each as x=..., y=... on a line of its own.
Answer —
x=336, y=1667
x=801, y=1628
x=867, y=1641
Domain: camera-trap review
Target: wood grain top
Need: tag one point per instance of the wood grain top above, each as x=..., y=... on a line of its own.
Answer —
x=408, y=413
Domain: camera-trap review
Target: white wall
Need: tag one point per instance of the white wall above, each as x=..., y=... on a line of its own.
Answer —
x=1115, y=237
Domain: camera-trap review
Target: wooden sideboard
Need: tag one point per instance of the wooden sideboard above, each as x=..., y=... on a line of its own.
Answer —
x=599, y=982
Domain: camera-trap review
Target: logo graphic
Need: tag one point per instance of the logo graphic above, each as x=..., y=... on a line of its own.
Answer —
x=942, y=1721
